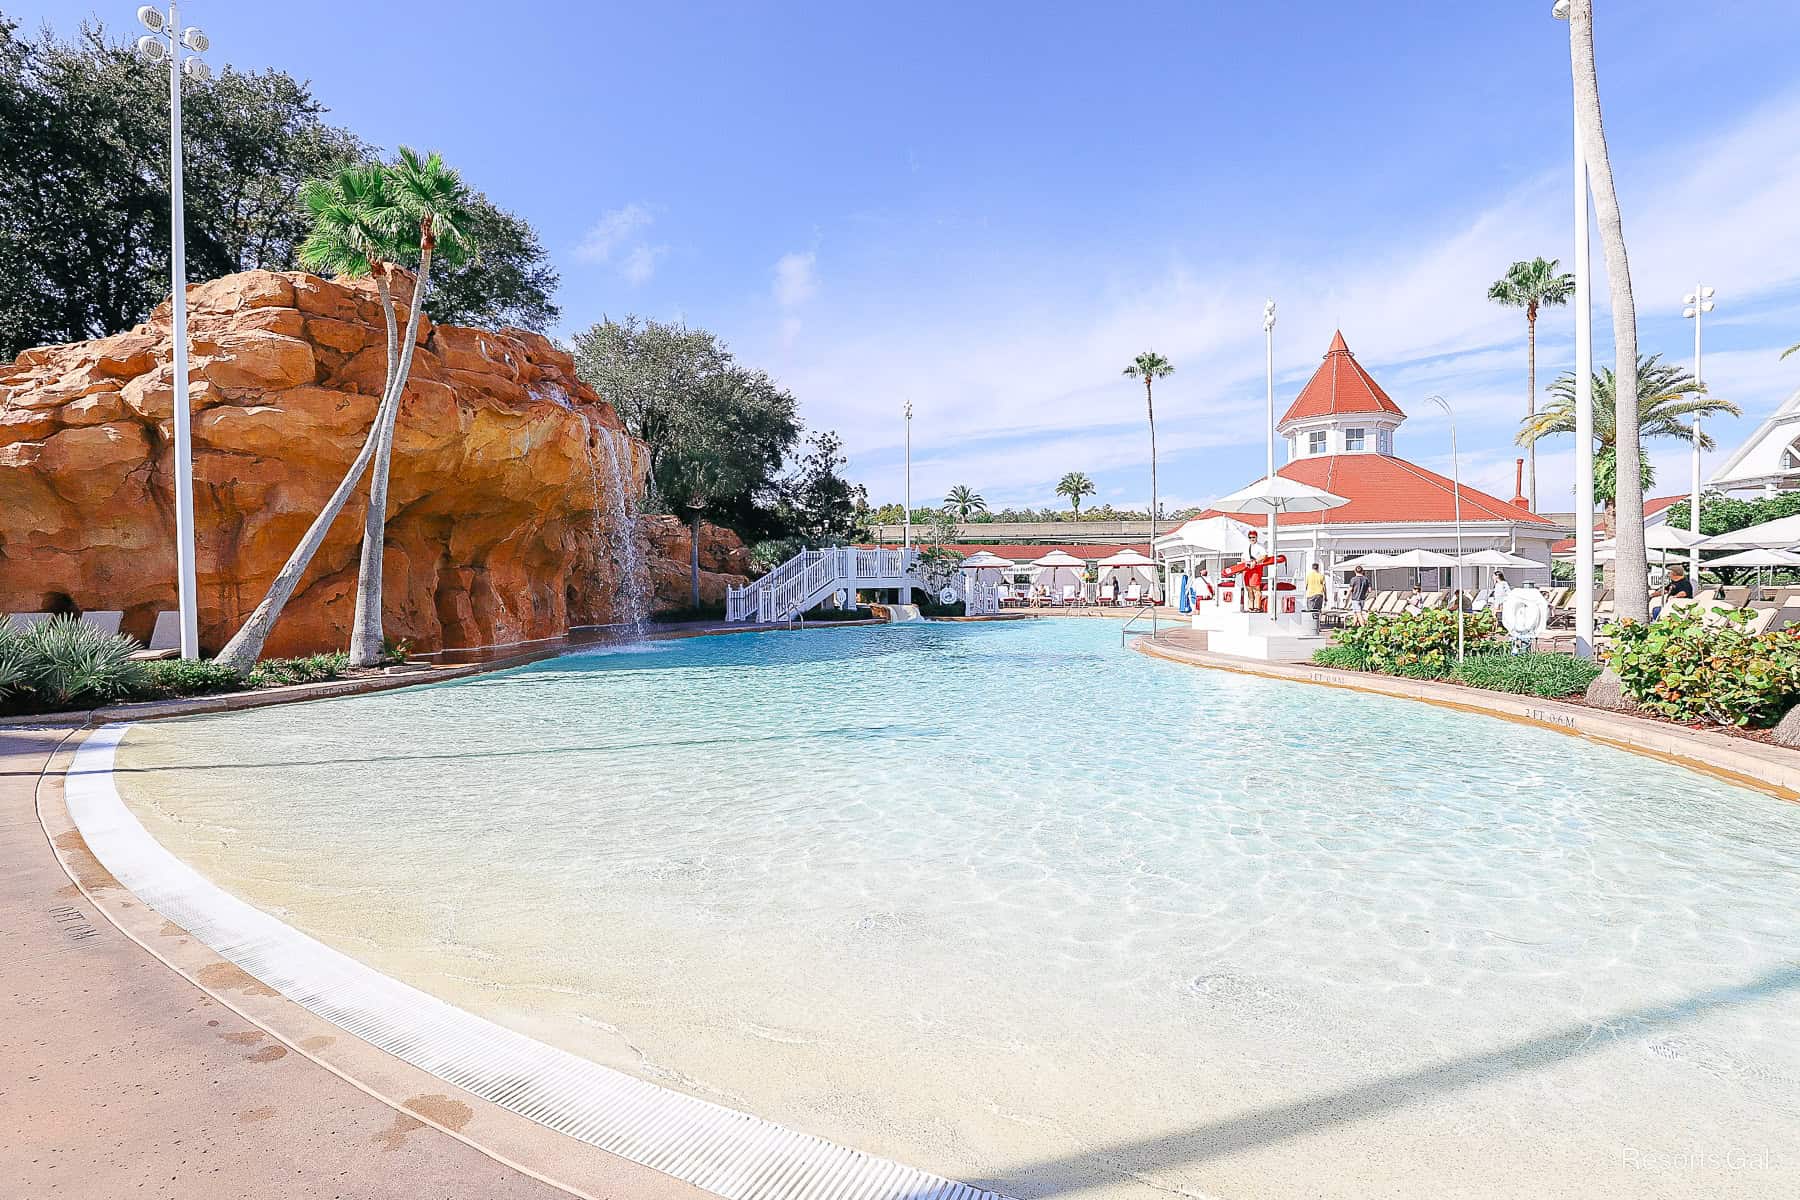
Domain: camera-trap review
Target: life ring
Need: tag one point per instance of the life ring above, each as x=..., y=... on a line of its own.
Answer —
x=1525, y=612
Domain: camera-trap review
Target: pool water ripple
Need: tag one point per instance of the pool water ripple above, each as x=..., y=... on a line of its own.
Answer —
x=1016, y=906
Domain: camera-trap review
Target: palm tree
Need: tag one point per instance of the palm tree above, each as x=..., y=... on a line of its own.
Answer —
x=1073, y=487
x=1632, y=598
x=347, y=240
x=963, y=501
x=1668, y=399
x=1528, y=285
x=1149, y=367
x=429, y=201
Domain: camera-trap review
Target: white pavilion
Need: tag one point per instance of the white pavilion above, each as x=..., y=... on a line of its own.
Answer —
x=1340, y=432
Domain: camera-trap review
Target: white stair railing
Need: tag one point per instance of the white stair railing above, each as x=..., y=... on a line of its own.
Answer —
x=808, y=577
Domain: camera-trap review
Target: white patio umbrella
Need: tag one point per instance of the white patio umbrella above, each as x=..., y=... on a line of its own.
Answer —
x=1758, y=558
x=1497, y=558
x=1670, y=537
x=985, y=560
x=1057, y=560
x=1780, y=534
x=1278, y=494
x=1368, y=562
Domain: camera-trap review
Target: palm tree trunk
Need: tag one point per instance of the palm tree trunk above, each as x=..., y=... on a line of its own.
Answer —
x=365, y=630
x=694, y=559
x=1632, y=569
x=1150, y=408
x=1531, y=400
x=245, y=647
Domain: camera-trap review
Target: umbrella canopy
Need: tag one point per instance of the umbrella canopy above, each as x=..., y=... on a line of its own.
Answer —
x=1420, y=558
x=1781, y=534
x=1368, y=562
x=987, y=559
x=1757, y=558
x=1058, y=558
x=1127, y=558
x=1279, y=494
x=1608, y=550
x=1670, y=537
x=1497, y=558
x=1210, y=535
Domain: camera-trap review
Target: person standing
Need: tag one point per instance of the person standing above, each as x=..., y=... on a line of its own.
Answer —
x=1315, y=595
x=1201, y=585
x=1360, y=583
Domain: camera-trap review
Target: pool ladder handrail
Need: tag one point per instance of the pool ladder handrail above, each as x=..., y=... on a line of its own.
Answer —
x=1125, y=633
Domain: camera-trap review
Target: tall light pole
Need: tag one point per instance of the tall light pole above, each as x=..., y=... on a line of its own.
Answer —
x=167, y=39
x=1456, y=492
x=1699, y=302
x=1269, y=381
x=1584, y=394
x=907, y=523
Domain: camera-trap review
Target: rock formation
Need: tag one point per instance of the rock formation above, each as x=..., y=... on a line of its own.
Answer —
x=498, y=521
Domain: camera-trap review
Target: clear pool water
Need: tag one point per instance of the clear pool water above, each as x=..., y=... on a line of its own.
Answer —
x=1012, y=904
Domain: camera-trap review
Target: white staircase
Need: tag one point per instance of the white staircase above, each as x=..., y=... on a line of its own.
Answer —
x=811, y=576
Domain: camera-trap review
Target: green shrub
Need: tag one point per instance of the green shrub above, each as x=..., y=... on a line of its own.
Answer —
x=314, y=668
x=1533, y=674
x=1418, y=645
x=1695, y=669
x=187, y=677
x=68, y=664
x=1344, y=658
x=15, y=663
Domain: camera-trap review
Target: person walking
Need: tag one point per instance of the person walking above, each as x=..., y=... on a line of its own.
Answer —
x=1315, y=595
x=1360, y=583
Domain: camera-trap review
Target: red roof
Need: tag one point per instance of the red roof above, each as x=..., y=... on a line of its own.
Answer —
x=1386, y=490
x=1340, y=385
x=1651, y=508
x=1020, y=553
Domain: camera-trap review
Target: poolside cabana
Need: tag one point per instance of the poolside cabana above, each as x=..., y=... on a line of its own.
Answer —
x=1128, y=567
x=984, y=575
x=1057, y=571
x=1211, y=542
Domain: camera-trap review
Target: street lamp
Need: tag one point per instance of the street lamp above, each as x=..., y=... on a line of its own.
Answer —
x=1456, y=492
x=167, y=39
x=906, y=523
x=1269, y=382
x=1584, y=395
x=1699, y=302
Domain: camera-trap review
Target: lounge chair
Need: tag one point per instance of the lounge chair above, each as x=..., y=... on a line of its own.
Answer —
x=1133, y=594
x=105, y=622
x=165, y=639
x=1071, y=594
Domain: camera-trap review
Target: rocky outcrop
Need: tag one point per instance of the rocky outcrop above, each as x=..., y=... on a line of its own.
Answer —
x=723, y=562
x=499, y=526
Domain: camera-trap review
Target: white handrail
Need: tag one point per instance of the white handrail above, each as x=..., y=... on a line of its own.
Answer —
x=805, y=579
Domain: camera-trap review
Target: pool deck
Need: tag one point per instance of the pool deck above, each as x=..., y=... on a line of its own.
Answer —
x=169, y=1073
x=1767, y=768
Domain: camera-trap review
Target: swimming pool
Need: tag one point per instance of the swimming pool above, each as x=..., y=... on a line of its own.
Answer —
x=1014, y=905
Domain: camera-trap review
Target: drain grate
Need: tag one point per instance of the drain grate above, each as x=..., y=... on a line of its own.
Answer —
x=727, y=1152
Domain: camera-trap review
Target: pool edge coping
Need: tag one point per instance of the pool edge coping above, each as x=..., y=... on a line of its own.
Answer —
x=1695, y=749
x=510, y=1137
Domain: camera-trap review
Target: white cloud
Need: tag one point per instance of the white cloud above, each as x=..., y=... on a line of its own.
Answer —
x=796, y=279
x=617, y=239
x=1014, y=372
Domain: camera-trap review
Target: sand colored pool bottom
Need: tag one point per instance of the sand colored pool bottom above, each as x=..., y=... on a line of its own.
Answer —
x=1019, y=908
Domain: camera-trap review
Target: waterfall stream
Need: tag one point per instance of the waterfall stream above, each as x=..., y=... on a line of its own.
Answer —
x=632, y=601
x=618, y=535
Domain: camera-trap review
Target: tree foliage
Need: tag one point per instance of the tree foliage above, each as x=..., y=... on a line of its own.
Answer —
x=722, y=437
x=84, y=194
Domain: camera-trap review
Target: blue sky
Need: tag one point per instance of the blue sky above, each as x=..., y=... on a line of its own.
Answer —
x=989, y=209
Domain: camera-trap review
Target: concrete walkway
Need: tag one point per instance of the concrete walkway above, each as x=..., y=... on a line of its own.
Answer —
x=119, y=1077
